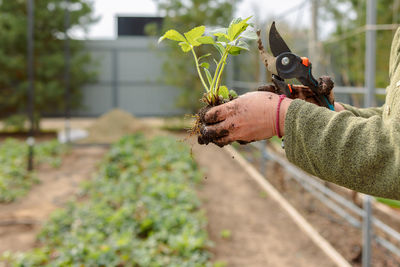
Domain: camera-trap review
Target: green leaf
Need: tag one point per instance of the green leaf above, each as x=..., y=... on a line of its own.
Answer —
x=219, y=31
x=233, y=93
x=220, y=48
x=223, y=91
x=236, y=29
x=249, y=35
x=205, y=65
x=223, y=39
x=185, y=46
x=172, y=35
x=235, y=50
x=205, y=40
x=243, y=45
x=194, y=34
x=235, y=21
x=204, y=56
x=209, y=78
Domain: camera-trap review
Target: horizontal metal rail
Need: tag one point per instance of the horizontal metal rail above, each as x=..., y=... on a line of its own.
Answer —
x=388, y=245
x=322, y=192
x=330, y=204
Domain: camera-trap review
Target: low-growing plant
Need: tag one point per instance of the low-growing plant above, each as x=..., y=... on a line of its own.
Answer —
x=226, y=233
x=139, y=210
x=15, y=180
x=229, y=41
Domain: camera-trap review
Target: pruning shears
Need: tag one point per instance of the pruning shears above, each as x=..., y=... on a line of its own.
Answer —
x=283, y=64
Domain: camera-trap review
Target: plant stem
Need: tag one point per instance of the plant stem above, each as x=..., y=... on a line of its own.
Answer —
x=198, y=69
x=221, y=71
x=213, y=86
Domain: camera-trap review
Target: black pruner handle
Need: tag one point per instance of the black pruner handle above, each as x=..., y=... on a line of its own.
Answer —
x=282, y=86
x=289, y=66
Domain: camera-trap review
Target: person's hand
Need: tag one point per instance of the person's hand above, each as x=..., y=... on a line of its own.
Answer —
x=248, y=118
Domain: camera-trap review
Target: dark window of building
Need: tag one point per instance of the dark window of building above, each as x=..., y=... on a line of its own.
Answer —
x=134, y=26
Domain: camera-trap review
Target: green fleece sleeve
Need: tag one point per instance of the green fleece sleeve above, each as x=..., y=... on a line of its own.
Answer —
x=363, y=112
x=362, y=154
x=355, y=148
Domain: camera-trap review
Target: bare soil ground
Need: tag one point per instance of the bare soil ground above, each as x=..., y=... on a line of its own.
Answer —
x=262, y=234
x=340, y=234
x=21, y=221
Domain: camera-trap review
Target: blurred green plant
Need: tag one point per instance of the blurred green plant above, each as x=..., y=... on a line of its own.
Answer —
x=14, y=123
x=390, y=202
x=226, y=233
x=220, y=264
x=49, y=64
x=183, y=15
x=141, y=209
x=15, y=180
x=230, y=41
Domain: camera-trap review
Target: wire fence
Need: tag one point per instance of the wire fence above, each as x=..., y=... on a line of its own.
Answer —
x=343, y=207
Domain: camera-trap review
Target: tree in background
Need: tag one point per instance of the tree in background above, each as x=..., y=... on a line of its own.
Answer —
x=182, y=16
x=49, y=64
x=348, y=51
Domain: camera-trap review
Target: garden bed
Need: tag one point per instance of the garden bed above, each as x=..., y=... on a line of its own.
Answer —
x=15, y=180
x=139, y=210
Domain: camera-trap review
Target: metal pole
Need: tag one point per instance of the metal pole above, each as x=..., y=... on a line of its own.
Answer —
x=115, y=94
x=31, y=86
x=367, y=233
x=313, y=49
x=370, y=54
x=370, y=60
x=67, y=58
x=262, y=70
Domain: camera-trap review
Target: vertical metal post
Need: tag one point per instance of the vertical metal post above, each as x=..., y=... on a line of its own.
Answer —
x=262, y=70
x=370, y=60
x=370, y=54
x=31, y=86
x=313, y=48
x=67, y=58
x=367, y=233
x=115, y=93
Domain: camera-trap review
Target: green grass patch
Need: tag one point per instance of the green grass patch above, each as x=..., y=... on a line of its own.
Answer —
x=390, y=202
x=15, y=180
x=140, y=209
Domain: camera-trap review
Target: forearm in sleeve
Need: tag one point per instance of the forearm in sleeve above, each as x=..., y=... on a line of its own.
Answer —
x=358, y=153
x=363, y=112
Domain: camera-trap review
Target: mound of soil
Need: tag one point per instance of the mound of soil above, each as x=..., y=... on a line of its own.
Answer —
x=113, y=125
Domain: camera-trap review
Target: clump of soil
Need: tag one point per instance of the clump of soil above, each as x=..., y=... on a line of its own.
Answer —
x=206, y=137
x=203, y=138
x=113, y=125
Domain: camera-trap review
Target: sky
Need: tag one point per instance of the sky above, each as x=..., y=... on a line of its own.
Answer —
x=107, y=10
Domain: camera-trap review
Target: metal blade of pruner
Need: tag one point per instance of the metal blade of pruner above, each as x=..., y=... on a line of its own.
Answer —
x=276, y=42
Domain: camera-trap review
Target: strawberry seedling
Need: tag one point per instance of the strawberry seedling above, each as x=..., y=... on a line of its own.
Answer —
x=227, y=41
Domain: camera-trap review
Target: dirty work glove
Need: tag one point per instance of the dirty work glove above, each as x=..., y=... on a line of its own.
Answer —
x=248, y=118
x=325, y=85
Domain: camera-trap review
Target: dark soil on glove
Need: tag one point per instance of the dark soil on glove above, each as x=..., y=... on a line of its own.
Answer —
x=204, y=137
